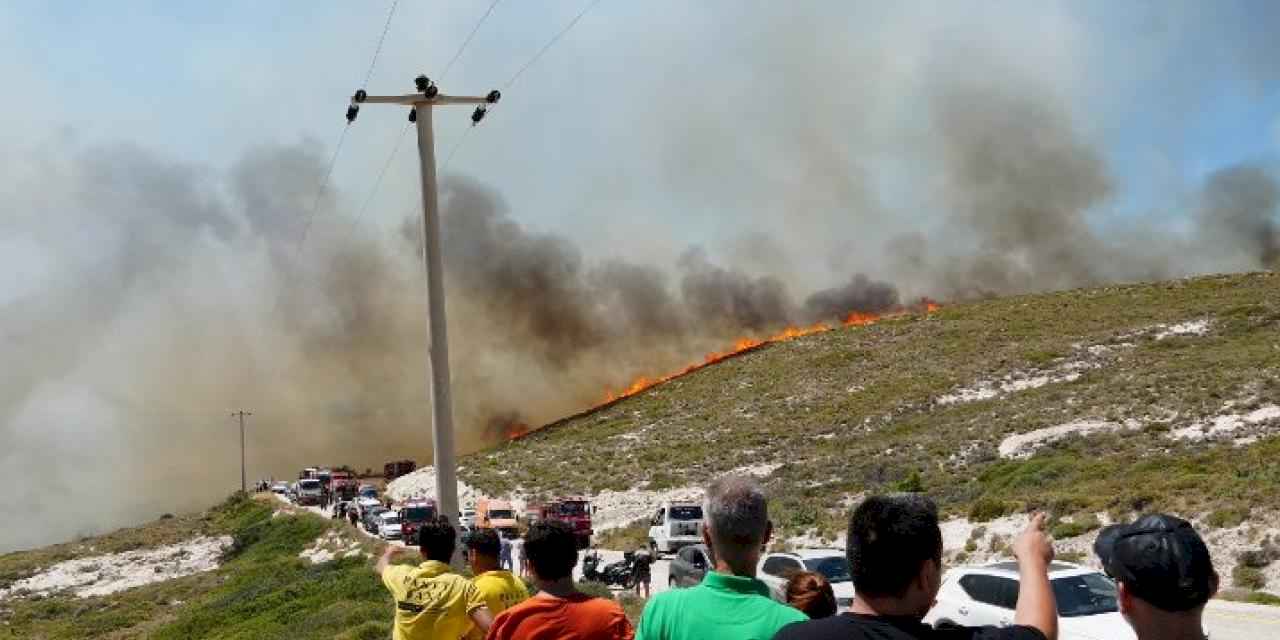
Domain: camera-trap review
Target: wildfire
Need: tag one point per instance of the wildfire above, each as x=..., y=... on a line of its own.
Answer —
x=854, y=319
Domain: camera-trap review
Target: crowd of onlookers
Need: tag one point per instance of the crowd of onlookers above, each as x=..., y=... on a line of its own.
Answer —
x=1161, y=567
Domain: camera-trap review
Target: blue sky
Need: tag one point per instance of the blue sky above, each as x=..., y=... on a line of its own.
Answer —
x=1171, y=91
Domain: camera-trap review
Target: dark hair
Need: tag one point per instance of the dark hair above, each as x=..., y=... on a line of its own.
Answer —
x=890, y=539
x=552, y=549
x=812, y=594
x=437, y=539
x=484, y=542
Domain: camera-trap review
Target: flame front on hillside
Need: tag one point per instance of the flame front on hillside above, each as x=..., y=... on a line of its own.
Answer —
x=854, y=319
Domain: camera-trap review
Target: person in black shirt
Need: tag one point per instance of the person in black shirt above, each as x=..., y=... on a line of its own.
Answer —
x=895, y=552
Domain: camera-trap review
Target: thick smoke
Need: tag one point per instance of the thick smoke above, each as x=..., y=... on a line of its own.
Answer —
x=160, y=295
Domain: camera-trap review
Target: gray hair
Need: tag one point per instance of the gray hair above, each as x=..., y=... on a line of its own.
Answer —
x=736, y=511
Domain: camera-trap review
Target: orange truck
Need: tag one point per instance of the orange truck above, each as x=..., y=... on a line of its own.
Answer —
x=496, y=514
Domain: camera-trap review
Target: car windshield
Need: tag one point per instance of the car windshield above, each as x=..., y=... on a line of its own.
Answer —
x=417, y=514
x=1084, y=595
x=390, y=519
x=686, y=513
x=309, y=484
x=573, y=508
x=835, y=568
x=500, y=514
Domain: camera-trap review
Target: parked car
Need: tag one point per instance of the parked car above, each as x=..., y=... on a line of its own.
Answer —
x=370, y=518
x=280, y=488
x=389, y=525
x=988, y=595
x=777, y=568
x=689, y=566
x=367, y=491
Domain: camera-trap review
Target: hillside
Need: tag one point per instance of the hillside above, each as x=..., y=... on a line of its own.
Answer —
x=1086, y=402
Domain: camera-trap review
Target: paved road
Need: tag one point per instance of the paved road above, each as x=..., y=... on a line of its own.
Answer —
x=1240, y=621
x=1223, y=620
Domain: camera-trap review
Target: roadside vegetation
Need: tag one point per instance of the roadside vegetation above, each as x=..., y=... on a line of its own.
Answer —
x=262, y=590
x=857, y=410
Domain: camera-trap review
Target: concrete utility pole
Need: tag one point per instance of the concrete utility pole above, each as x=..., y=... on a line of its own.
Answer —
x=422, y=104
x=242, y=413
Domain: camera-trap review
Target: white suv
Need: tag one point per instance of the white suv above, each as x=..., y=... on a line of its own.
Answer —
x=777, y=568
x=987, y=596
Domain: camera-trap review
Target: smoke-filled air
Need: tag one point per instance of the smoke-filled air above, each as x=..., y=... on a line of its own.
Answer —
x=812, y=166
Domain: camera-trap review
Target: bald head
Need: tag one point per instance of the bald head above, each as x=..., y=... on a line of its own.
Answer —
x=737, y=522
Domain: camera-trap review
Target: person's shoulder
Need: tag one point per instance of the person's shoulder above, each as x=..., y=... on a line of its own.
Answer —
x=806, y=629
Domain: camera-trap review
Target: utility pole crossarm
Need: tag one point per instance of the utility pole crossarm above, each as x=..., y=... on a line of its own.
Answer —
x=417, y=99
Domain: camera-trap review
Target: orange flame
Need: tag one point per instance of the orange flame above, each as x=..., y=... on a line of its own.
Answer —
x=854, y=319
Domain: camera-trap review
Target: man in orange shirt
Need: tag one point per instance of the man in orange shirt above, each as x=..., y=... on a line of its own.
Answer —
x=559, y=611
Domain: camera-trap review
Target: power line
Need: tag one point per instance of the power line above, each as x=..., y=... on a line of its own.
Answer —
x=550, y=43
x=342, y=138
x=378, y=50
x=381, y=174
x=400, y=138
x=466, y=42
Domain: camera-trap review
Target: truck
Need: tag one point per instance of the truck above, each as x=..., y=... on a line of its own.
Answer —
x=675, y=525
x=310, y=492
x=395, y=469
x=343, y=485
x=574, y=510
x=413, y=514
x=496, y=514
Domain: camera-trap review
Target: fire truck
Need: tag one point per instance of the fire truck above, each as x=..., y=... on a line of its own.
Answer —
x=412, y=514
x=343, y=485
x=574, y=510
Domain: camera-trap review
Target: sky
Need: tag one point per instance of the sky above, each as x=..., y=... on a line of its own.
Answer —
x=667, y=176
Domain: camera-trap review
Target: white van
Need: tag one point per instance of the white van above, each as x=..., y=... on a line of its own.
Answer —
x=676, y=525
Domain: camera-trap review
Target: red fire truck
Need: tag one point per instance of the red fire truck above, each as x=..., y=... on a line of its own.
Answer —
x=412, y=514
x=574, y=510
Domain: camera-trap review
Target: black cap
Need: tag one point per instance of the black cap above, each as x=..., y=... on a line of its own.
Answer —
x=1160, y=559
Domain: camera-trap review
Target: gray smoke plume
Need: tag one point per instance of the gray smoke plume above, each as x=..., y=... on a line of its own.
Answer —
x=846, y=169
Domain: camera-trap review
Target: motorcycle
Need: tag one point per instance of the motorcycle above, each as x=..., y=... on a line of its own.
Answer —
x=620, y=573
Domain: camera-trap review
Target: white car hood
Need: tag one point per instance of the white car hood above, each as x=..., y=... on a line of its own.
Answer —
x=388, y=528
x=1104, y=626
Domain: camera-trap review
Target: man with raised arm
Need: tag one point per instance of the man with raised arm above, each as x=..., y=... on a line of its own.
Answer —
x=895, y=552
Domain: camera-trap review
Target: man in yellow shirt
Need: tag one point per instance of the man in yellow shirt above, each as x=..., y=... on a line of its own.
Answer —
x=500, y=589
x=432, y=602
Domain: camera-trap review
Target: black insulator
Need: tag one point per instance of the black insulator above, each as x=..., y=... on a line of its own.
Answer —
x=494, y=96
x=478, y=115
x=413, y=115
x=352, y=112
x=431, y=91
x=360, y=95
x=421, y=82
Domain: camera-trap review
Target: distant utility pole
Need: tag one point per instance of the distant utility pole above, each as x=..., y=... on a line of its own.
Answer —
x=242, y=413
x=421, y=105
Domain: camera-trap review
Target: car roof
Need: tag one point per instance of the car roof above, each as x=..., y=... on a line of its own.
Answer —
x=1010, y=568
x=810, y=554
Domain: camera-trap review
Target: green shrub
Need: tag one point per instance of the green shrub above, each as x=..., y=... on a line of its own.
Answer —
x=1078, y=526
x=1227, y=517
x=910, y=484
x=1247, y=577
x=986, y=509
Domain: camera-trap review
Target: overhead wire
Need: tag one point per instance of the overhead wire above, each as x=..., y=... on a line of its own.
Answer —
x=342, y=138
x=519, y=72
x=400, y=138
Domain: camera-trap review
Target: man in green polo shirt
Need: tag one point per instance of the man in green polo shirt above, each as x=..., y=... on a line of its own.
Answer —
x=730, y=603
